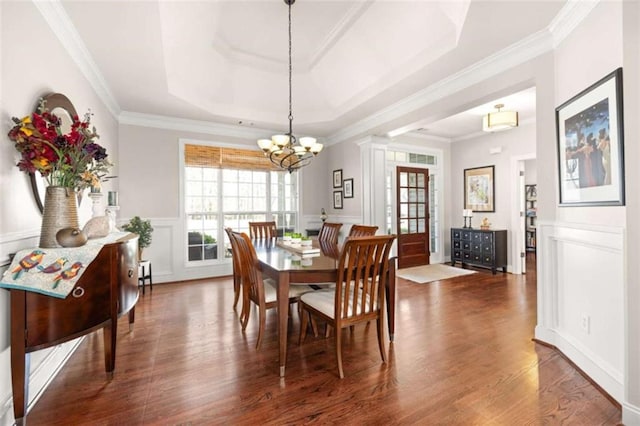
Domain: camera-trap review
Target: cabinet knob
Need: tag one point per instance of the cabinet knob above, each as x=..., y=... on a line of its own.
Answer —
x=78, y=292
x=130, y=273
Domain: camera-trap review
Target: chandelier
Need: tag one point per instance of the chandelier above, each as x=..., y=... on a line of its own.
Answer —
x=286, y=151
x=500, y=120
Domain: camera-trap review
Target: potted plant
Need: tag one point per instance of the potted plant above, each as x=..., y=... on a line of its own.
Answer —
x=143, y=229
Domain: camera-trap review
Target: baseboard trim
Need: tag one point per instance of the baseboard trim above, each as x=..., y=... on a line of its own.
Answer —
x=581, y=371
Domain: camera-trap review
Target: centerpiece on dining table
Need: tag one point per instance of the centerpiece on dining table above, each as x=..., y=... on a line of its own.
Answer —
x=69, y=160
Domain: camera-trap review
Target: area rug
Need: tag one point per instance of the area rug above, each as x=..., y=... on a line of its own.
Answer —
x=428, y=273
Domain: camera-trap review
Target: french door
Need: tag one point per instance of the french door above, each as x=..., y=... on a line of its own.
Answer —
x=412, y=204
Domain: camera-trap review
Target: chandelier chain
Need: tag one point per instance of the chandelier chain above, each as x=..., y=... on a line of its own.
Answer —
x=290, y=79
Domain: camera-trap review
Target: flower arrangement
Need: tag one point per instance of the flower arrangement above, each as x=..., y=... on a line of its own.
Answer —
x=71, y=160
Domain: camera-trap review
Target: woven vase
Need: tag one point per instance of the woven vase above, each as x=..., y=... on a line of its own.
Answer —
x=60, y=211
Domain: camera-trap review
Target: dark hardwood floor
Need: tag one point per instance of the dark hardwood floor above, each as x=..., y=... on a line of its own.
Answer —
x=463, y=355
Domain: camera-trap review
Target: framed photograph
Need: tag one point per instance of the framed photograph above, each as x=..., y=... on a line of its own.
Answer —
x=479, y=188
x=348, y=188
x=589, y=129
x=337, y=199
x=337, y=178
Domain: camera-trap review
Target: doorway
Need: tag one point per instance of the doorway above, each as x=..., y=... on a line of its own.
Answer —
x=523, y=171
x=412, y=207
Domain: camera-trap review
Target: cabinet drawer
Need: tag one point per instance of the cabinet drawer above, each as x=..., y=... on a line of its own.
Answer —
x=456, y=244
x=457, y=254
x=476, y=247
x=487, y=248
x=487, y=260
x=487, y=237
x=476, y=237
x=466, y=245
x=466, y=255
x=456, y=234
x=476, y=257
x=466, y=235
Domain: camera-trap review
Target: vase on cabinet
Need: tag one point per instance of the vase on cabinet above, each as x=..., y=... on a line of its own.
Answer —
x=60, y=211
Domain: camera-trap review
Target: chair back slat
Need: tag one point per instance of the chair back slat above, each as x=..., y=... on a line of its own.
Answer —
x=259, y=230
x=329, y=232
x=362, y=275
x=362, y=230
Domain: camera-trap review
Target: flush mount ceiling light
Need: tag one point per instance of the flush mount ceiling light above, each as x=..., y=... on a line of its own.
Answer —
x=500, y=120
x=286, y=151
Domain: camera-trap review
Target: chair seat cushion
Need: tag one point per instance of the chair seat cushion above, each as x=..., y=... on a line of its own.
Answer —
x=271, y=290
x=324, y=301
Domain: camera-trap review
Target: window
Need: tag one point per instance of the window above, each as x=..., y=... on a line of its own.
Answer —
x=229, y=188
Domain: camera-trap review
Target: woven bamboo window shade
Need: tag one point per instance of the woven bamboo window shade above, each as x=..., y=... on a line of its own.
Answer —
x=226, y=158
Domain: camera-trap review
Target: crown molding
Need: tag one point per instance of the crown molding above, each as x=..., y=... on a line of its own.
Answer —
x=568, y=19
x=352, y=15
x=61, y=25
x=516, y=54
x=195, y=126
x=255, y=60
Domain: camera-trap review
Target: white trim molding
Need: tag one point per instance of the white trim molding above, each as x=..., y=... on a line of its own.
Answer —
x=581, y=298
x=61, y=25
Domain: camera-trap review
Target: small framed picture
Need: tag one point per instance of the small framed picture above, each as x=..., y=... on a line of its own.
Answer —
x=337, y=178
x=479, y=188
x=337, y=199
x=348, y=188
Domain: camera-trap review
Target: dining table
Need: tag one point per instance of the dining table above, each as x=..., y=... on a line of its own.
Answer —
x=294, y=265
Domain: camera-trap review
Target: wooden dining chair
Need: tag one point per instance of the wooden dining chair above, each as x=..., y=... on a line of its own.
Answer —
x=329, y=232
x=263, y=230
x=262, y=292
x=362, y=230
x=359, y=292
x=237, y=279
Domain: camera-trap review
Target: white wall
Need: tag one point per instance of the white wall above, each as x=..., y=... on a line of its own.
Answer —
x=34, y=63
x=530, y=172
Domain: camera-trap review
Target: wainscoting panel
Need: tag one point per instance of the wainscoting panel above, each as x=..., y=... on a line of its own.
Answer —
x=581, y=298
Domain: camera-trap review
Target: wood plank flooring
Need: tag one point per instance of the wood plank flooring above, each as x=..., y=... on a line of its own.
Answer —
x=462, y=355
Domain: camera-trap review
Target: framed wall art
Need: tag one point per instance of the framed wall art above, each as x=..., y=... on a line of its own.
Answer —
x=337, y=199
x=479, y=188
x=348, y=188
x=337, y=178
x=589, y=129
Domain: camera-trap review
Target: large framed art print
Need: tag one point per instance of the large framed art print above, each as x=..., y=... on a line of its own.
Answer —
x=590, y=145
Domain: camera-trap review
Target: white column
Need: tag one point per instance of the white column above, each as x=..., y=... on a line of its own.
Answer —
x=373, y=157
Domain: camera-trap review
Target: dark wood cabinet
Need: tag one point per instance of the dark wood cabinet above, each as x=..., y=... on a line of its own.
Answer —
x=107, y=289
x=479, y=247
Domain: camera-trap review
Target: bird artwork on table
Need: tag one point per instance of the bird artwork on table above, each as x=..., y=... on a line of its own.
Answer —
x=27, y=263
x=67, y=274
x=54, y=267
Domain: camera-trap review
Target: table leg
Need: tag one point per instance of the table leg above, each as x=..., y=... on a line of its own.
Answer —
x=283, y=317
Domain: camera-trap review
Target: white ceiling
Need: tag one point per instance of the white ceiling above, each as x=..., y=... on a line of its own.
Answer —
x=226, y=61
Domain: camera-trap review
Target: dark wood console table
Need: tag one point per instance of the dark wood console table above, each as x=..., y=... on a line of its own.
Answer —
x=479, y=247
x=107, y=289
